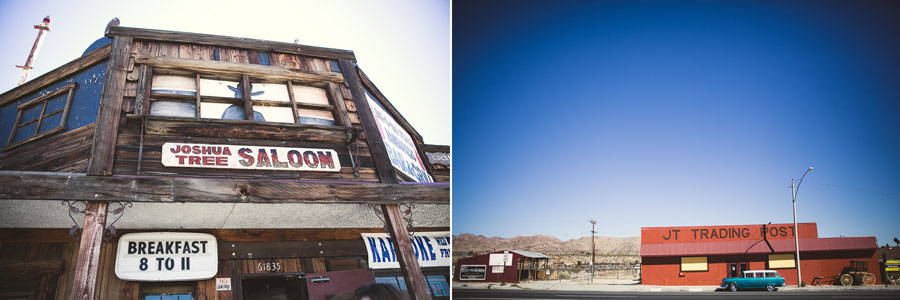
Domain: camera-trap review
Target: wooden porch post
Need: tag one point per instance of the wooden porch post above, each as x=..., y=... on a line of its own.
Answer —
x=100, y=164
x=89, y=251
x=415, y=280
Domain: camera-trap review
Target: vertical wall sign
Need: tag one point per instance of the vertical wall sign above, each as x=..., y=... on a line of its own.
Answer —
x=167, y=256
x=400, y=147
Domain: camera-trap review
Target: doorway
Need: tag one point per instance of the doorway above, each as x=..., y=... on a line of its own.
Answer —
x=736, y=269
x=274, y=288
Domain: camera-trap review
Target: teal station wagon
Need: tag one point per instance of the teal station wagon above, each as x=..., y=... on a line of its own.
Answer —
x=754, y=280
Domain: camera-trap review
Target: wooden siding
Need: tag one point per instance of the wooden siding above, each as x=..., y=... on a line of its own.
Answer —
x=157, y=131
x=128, y=149
x=234, y=55
x=49, y=256
x=440, y=173
x=71, y=151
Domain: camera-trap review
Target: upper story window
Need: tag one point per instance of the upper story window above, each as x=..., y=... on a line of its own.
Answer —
x=41, y=116
x=205, y=96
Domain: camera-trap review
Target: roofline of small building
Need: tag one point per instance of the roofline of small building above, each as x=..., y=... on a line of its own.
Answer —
x=229, y=41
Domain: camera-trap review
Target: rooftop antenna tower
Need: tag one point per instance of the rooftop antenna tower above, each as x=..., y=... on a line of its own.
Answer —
x=26, y=69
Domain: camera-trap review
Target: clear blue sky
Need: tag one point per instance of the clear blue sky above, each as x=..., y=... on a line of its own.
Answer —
x=404, y=46
x=666, y=113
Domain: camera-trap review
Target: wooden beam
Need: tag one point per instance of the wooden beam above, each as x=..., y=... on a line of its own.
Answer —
x=245, y=94
x=182, y=189
x=29, y=269
x=341, y=115
x=237, y=129
x=104, y=146
x=63, y=71
x=290, y=89
x=291, y=249
x=415, y=280
x=389, y=107
x=392, y=217
x=87, y=263
x=231, y=235
x=383, y=167
x=256, y=71
x=227, y=41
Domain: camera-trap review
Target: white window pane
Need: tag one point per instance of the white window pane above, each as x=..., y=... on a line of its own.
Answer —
x=322, y=114
x=178, y=85
x=308, y=94
x=269, y=91
x=315, y=117
x=172, y=109
x=220, y=88
x=274, y=114
x=217, y=110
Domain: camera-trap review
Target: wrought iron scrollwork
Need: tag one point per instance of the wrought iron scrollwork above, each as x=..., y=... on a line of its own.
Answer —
x=110, y=231
x=406, y=213
x=75, y=230
x=78, y=207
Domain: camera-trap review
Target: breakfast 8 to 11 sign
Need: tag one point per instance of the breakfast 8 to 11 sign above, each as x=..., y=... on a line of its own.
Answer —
x=249, y=157
x=166, y=256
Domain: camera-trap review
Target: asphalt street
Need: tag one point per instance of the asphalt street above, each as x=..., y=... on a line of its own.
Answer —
x=526, y=294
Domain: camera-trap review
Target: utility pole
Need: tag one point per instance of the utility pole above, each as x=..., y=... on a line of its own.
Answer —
x=26, y=69
x=592, y=248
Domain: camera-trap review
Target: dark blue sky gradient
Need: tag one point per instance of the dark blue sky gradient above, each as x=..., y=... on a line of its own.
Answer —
x=666, y=113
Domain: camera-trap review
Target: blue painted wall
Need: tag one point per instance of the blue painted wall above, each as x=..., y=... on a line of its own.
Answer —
x=85, y=102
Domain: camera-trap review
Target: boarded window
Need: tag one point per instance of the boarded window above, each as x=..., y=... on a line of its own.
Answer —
x=781, y=261
x=174, y=93
x=172, y=108
x=311, y=95
x=220, y=88
x=42, y=116
x=694, y=263
x=269, y=91
x=174, y=85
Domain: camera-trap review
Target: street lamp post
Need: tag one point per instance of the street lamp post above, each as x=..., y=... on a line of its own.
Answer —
x=796, y=229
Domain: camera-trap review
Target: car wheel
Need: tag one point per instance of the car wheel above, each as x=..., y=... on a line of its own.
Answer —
x=732, y=287
x=770, y=288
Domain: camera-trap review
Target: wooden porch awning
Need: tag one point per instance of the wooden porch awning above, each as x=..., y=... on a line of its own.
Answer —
x=188, y=189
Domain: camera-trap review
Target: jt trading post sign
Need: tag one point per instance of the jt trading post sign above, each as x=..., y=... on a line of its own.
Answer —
x=166, y=256
x=432, y=249
x=725, y=233
x=249, y=157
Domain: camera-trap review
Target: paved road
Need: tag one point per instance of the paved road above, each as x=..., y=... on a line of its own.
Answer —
x=481, y=294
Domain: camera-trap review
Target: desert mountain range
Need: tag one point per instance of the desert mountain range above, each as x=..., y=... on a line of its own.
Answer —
x=546, y=244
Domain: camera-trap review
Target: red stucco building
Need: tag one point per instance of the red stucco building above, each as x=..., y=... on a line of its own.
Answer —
x=703, y=255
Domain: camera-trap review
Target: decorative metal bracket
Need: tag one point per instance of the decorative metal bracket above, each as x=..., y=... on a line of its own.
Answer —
x=110, y=231
x=75, y=230
x=353, y=137
x=405, y=211
x=79, y=207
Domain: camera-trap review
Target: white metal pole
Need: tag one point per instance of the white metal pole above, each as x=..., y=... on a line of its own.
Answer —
x=796, y=232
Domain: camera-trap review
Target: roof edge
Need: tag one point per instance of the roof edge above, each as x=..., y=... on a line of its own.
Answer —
x=221, y=40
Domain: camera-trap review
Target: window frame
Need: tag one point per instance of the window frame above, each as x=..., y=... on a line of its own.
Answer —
x=705, y=261
x=41, y=100
x=769, y=259
x=246, y=99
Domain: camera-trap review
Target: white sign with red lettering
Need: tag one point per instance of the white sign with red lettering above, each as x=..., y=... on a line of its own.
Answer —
x=249, y=157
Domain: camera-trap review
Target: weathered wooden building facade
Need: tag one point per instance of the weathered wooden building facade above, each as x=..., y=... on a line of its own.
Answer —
x=276, y=156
